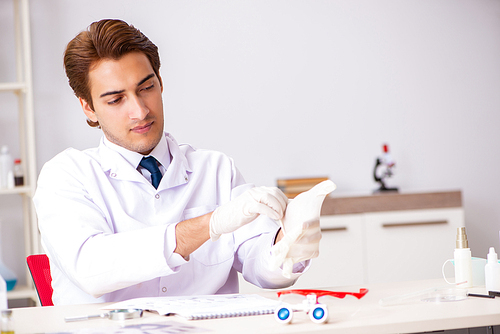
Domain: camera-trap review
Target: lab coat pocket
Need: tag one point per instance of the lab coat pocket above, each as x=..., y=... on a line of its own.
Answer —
x=197, y=211
x=213, y=253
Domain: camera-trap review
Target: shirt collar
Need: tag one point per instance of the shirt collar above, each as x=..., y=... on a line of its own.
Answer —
x=160, y=152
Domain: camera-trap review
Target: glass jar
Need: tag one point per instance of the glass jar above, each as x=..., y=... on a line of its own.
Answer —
x=7, y=322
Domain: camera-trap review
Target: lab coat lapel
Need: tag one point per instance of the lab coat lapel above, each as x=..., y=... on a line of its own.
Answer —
x=178, y=171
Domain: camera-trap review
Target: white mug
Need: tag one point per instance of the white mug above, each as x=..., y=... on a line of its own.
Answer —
x=477, y=271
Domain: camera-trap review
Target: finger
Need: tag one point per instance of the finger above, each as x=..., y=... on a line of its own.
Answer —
x=273, y=198
x=280, y=195
x=263, y=209
x=261, y=193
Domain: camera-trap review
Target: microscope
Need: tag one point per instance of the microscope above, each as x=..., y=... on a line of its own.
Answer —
x=384, y=169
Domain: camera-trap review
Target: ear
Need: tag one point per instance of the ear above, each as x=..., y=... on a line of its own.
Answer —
x=88, y=110
x=161, y=83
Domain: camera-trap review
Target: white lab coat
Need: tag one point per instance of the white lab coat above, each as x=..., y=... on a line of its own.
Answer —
x=110, y=235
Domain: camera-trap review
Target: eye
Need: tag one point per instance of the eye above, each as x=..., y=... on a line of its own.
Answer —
x=149, y=87
x=115, y=101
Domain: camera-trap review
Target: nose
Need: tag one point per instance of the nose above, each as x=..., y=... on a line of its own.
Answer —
x=137, y=108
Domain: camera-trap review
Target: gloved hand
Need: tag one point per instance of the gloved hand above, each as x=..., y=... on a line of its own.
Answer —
x=301, y=228
x=269, y=201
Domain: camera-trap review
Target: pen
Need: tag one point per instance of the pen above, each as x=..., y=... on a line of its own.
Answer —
x=481, y=296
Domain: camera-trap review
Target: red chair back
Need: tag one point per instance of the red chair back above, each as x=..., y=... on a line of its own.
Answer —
x=40, y=272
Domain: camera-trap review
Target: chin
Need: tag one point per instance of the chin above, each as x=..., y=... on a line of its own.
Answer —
x=146, y=147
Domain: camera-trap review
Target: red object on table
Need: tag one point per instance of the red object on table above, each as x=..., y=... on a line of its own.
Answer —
x=321, y=293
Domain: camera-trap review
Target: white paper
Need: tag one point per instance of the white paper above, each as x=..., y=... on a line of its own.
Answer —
x=203, y=307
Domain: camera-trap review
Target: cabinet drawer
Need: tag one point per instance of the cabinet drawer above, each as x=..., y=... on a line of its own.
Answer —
x=410, y=245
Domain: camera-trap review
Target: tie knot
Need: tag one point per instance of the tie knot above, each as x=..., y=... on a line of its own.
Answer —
x=151, y=165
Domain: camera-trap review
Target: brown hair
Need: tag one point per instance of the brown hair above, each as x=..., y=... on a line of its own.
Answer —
x=105, y=39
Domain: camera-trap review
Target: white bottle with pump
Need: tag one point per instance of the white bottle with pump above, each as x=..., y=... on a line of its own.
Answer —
x=463, y=260
x=492, y=272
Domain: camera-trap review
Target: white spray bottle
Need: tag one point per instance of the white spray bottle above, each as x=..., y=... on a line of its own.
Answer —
x=463, y=260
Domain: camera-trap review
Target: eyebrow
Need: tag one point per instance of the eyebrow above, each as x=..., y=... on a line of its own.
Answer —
x=146, y=79
x=121, y=91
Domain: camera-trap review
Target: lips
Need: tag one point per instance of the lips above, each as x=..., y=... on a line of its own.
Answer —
x=142, y=128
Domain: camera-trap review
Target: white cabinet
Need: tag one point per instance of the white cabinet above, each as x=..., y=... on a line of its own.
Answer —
x=382, y=247
x=376, y=247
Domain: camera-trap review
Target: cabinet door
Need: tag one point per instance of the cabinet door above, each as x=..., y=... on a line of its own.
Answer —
x=340, y=260
x=410, y=245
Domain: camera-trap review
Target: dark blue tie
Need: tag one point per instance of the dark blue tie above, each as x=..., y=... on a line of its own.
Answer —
x=150, y=164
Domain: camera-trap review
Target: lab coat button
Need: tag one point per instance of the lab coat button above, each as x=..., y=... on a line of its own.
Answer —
x=185, y=178
x=113, y=175
x=164, y=289
x=157, y=196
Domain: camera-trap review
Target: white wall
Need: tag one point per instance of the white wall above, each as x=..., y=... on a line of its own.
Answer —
x=303, y=88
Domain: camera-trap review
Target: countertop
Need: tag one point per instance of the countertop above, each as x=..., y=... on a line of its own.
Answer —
x=391, y=201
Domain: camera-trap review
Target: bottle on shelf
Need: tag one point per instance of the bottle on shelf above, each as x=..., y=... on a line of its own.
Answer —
x=3, y=294
x=6, y=168
x=7, y=322
x=18, y=173
x=8, y=276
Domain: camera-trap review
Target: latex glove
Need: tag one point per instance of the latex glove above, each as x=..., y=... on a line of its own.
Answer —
x=269, y=201
x=301, y=228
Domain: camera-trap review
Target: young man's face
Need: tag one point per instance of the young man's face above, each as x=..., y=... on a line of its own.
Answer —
x=127, y=102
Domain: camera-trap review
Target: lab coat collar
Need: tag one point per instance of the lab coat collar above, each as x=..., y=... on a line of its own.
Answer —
x=160, y=153
x=115, y=164
x=122, y=164
x=179, y=169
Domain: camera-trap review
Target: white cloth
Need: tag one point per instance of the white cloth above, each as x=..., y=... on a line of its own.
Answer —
x=301, y=227
x=110, y=235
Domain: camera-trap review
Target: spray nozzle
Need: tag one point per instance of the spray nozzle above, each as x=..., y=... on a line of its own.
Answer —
x=492, y=256
x=462, y=238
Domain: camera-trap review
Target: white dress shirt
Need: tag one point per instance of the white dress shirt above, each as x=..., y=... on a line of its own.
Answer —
x=110, y=235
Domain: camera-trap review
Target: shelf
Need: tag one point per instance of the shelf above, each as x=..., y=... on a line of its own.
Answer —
x=12, y=86
x=21, y=292
x=22, y=87
x=16, y=190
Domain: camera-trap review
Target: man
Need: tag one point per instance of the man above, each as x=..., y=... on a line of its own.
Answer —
x=115, y=227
